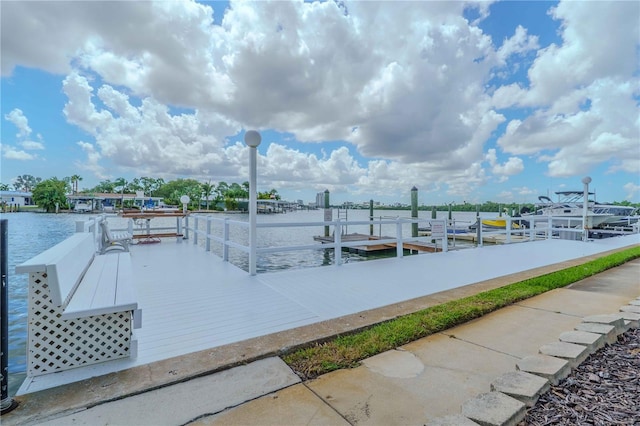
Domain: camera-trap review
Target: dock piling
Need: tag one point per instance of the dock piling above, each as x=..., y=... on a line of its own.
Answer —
x=6, y=403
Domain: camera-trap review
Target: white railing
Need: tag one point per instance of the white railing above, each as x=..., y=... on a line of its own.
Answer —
x=334, y=242
x=209, y=230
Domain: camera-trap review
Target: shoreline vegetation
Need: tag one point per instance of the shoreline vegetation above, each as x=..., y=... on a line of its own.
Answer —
x=347, y=350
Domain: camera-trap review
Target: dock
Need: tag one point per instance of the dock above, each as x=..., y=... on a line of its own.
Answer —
x=415, y=246
x=198, y=310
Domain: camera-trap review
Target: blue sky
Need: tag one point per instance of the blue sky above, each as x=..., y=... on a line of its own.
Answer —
x=488, y=101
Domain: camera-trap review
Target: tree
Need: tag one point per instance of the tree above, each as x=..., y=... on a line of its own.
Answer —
x=4, y=187
x=172, y=191
x=105, y=186
x=26, y=183
x=50, y=192
x=121, y=183
x=74, y=183
x=207, y=191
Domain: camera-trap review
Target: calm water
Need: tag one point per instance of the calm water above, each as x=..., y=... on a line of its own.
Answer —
x=32, y=233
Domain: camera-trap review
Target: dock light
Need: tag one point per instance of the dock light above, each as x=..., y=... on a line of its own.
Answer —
x=252, y=138
x=585, y=206
x=184, y=200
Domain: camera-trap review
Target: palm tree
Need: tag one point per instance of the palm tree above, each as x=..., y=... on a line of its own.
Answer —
x=207, y=190
x=122, y=183
x=74, y=183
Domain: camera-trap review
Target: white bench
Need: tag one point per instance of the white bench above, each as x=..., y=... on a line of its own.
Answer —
x=113, y=240
x=82, y=307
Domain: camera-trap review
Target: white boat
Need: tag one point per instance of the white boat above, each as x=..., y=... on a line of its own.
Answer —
x=567, y=212
x=621, y=215
x=82, y=207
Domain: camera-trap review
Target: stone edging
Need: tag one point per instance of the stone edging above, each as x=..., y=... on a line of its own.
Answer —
x=513, y=392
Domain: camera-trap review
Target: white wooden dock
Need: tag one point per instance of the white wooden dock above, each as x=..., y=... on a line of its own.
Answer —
x=191, y=300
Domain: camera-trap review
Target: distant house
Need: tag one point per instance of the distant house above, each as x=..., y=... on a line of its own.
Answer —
x=106, y=202
x=16, y=198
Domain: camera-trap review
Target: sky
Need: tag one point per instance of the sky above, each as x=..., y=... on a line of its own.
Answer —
x=466, y=101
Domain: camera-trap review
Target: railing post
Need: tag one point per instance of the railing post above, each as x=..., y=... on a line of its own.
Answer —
x=225, y=240
x=195, y=230
x=186, y=227
x=337, y=240
x=6, y=403
x=480, y=237
x=445, y=238
x=399, y=248
x=549, y=227
x=509, y=225
x=207, y=244
x=130, y=226
x=532, y=229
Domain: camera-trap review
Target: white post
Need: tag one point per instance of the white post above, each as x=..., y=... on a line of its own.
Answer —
x=585, y=229
x=399, y=246
x=208, y=240
x=252, y=139
x=225, y=240
x=337, y=240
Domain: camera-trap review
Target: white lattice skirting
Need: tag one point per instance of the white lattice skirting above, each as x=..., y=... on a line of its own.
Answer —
x=57, y=344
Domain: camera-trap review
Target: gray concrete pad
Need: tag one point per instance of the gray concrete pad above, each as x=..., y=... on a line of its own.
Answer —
x=593, y=341
x=608, y=331
x=494, y=408
x=384, y=391
x=575, y=302
x=631, y=319
x=620, y=281
x=522, y=386
x=549, y=367
x=572, y=353
x=515, y=330
x=452, y=420
x=630, y=308
x=615, y=320
x=183, y=402
x=295, y=405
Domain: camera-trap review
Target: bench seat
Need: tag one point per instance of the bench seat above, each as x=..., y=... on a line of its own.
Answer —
x=82, y=306
x=105, y=288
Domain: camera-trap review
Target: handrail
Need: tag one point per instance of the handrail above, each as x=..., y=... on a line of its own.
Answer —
x=207, y=230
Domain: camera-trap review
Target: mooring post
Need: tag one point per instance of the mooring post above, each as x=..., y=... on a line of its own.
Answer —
x=433, y=212
x=327, y=212
x=6, y=403
x=371, y=217
x=414, y=211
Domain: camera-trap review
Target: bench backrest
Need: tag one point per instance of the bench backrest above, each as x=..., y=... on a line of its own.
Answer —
x=64, y=264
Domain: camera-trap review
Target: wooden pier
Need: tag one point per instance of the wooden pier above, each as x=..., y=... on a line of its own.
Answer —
x=377, y=248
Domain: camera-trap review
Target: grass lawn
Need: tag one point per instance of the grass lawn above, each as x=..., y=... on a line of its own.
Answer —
x=348, y=350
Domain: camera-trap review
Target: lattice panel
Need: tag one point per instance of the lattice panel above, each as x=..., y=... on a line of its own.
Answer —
x=57, y=344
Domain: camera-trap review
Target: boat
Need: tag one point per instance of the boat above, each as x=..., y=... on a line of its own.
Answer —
x=496, y=223
x=622, y=216
x=82, y=207
x=568, y=212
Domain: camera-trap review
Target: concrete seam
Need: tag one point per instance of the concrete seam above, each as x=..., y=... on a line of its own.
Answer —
x=326, y=403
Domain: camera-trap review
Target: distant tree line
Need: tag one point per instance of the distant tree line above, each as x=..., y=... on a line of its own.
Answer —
x=51, y=192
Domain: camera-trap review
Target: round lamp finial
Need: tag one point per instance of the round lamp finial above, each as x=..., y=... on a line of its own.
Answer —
x=586, y=180
x=252, y=138
x=185, y=199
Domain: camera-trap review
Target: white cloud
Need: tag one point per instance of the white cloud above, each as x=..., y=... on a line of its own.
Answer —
x=18, y=119
x=11, y=153
x=160, y=89
x=32, y=145
x=631, y=189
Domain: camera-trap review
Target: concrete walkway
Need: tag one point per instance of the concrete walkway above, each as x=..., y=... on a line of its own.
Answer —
x=488, y=369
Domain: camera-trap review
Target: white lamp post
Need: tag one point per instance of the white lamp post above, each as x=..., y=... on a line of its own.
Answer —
x=252, y=138
x=185, y=201
x=585, y=207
